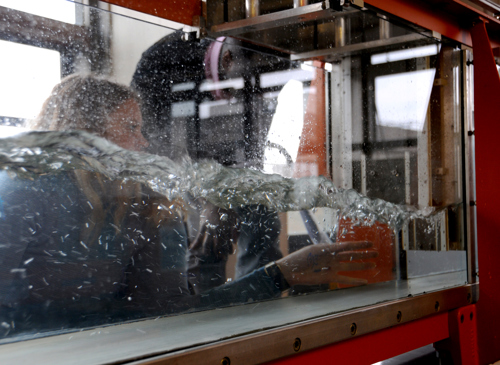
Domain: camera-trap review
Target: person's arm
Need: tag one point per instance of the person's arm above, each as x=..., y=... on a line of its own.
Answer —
x=312, y=265
x=217, y=231
x=321, y=264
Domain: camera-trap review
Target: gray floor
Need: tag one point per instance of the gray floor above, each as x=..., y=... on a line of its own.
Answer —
x=426, y=355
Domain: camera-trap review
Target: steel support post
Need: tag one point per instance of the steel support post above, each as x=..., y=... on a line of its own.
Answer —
x=461, y=347
x=487, y=133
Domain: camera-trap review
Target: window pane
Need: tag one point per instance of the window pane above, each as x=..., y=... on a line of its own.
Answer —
x=402, y=99
x=168, y=174
x=61, y=10
x=28, y=75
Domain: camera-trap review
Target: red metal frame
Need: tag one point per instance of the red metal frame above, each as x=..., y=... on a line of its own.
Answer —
x=487, y=133
x=462, y=343
x=180, y=11
x=450, y=18
x=377, y=346
x=476, y=339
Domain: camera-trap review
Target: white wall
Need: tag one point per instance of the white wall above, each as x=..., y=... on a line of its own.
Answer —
x=131, y=37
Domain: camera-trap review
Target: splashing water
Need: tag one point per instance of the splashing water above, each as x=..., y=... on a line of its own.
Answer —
x=33, y=153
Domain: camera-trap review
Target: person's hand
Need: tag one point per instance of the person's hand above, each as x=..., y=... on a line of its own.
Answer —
x=320, y=264
x=218, y=231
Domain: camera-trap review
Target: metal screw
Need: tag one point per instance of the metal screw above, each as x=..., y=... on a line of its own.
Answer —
x=399, y=316
x=437, y=306
x=354, y=329
x=296, y=344
x=225, y=361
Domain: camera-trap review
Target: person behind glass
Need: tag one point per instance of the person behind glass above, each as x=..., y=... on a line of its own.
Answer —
x=254, y=228
x=81, y=250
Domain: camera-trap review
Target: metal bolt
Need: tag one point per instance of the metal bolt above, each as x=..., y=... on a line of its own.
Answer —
x=354, y=329
x=437, y=306
x=399, y=316
x=225, y=361
x=296, y=344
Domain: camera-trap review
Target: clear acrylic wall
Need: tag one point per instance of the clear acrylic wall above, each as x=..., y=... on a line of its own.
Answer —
x=167, y=174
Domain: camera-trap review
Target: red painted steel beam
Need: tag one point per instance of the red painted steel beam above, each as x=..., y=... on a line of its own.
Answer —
x=450, y=18
x=376, y=346
x=462, y=343
x=180, y=11
x=487, y=135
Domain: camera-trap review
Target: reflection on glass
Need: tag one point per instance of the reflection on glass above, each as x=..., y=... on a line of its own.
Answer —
x=202, y=176
x=405, y=54
x=402, y=99
x=283, y=138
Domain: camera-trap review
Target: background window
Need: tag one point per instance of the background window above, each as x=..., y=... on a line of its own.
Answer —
x=27, y=77
x=61, y=10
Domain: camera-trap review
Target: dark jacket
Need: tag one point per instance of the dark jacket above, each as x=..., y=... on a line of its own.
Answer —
x=50, y=278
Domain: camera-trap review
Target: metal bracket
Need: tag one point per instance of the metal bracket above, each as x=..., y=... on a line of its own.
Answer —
x=462, y=345
x=190, y=36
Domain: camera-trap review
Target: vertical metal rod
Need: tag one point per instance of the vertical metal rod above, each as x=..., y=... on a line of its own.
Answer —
x=248, y=121
x=252, y=8
x=363, y=173
x=299, y=3
x=196, y=132
x=316, y=36
x=407, y=178
x=340, y=32
x=368, y=106
x=226, y=11
x=384, y=29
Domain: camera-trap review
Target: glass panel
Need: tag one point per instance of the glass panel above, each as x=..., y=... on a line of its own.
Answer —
x=167, y=174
